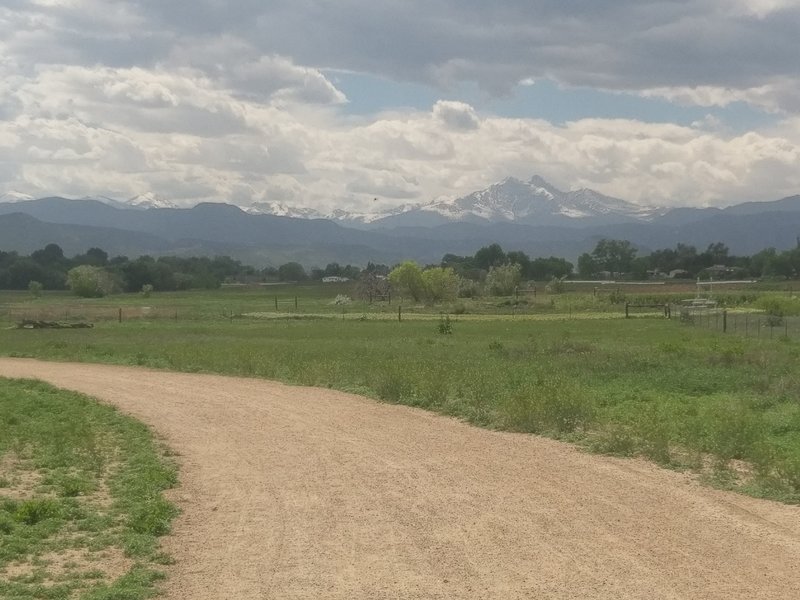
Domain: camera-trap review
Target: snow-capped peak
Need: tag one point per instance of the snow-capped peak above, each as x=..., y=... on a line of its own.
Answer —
x=279, y=209
x=12, y=196
x=150, y=200
x=535, y=202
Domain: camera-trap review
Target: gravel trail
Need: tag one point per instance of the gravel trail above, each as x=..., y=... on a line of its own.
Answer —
x=295, y=492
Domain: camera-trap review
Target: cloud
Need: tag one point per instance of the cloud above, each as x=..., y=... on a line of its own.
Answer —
x=315, y=158
x=121, y=97
x=456, y=115
x=386, y=184
x=624, y=45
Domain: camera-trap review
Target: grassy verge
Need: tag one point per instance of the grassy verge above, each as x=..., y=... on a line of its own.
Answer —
x=81, y=505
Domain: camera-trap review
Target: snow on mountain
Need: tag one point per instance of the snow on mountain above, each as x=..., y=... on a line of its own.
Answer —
x=12, y=196
x=279, y=209
x=338, y=215
x=149, y=200
x=534, y=201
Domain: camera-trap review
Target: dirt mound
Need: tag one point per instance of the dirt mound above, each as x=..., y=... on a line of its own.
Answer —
x=292, y=492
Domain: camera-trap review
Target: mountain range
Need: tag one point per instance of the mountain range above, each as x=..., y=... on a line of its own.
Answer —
x=532, y=216
x=533, y=202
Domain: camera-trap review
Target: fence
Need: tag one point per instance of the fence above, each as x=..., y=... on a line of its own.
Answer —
x=95, y=312
x=746, y=324
x=74, y=312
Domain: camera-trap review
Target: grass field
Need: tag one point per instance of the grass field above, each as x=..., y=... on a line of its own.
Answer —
x=319, y=299
x=81, y=505
x=726, y=407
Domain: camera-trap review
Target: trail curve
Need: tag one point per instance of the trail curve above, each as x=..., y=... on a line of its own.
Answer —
x=293, y=492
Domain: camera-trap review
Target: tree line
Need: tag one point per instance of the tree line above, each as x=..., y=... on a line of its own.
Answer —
x=50, y=269
x=94, y=273
x=490, y=269
x=618, y=258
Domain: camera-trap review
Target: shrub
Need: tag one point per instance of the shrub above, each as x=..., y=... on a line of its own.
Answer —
x=147, y=289
x=89, y=282
x=35, y=288
x=502, y=281
x=32, y=512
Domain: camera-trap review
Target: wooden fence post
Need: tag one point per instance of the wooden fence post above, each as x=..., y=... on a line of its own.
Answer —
x=725, y=321
x=276, y=303
x=400, y=313
x=119, y=316
x=626, y=310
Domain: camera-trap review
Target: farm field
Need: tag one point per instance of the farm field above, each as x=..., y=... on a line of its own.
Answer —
x=566, y=366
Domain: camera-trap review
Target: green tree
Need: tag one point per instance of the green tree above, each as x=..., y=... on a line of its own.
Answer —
x=292, y=271
x=717, y=253
x=94, y=256
x=490, y=256
x=503, y=280
x=50, y=256
x=542, y=269
x=517, y=257
x=89, y=282
x=615, y=256
x=440, y=283
x=407, y=278
x=587, y=267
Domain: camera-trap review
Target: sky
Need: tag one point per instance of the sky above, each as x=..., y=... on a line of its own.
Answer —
x=363, y=105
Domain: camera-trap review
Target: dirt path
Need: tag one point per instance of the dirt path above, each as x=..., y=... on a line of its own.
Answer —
x=292, y=492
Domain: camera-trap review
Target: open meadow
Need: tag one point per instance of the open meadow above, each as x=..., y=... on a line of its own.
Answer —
x=568, y=365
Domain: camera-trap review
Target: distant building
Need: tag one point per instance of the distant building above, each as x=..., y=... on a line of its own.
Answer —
x=334, y=279
x=679, y=274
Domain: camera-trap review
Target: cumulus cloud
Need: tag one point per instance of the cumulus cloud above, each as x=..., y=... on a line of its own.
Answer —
x=118, y=97
x=456, y=115
x=321, y=161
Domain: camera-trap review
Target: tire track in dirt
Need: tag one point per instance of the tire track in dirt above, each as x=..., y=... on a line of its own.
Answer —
x=293, y=492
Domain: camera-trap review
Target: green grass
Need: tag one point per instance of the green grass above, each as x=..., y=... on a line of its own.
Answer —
x=681, y=396
x=81, y=480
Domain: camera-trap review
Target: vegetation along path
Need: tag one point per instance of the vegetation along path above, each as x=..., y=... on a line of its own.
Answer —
x=293, y=492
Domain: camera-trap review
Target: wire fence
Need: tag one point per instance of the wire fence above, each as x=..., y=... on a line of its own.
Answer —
x=90, y=313
x=94, y=312
x=746, y=324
